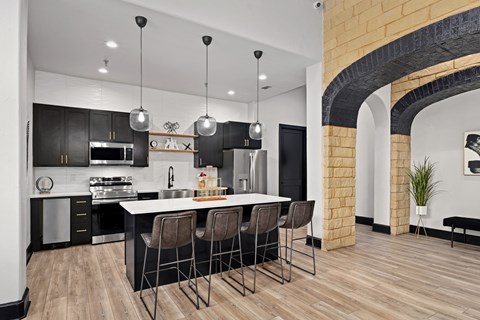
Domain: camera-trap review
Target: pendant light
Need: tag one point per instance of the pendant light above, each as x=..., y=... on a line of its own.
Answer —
x=140, y=118
x=256, y=129
x=206, y=125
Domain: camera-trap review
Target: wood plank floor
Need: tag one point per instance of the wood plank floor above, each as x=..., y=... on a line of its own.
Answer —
x=382, y=277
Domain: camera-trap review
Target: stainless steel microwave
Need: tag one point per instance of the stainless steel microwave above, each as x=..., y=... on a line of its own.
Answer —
x=111, y=153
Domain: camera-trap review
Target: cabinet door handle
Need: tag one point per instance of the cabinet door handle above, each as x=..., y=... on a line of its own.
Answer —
x=66, y=159
x=82, y=230
x=200, y=161
x=146, y=198
x=81, y=214
x=110, y=135
x=248, y=143
x=61, y=159
x=81, y=201
x=113, y=135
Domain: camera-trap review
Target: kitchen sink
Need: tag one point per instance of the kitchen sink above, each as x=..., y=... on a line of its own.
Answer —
x=175, y=193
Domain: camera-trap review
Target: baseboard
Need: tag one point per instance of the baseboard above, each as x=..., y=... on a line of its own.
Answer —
x=29, y=252
x=364, y=220
x=381, y=228
x=447, y=235
x=17, y=309
x=317, y=242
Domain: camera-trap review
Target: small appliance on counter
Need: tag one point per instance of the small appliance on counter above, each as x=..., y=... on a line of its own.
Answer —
x=107, y=214
x=244, y=171
x=44, y=184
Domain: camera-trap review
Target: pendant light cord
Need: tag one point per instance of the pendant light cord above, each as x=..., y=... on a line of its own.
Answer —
x=141, y=68
x=206, y=82
x=258, y=85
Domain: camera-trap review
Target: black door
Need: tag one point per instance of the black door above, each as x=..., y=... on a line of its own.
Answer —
x=76, y=137
x=121, y=127
x=293, y=162
x=48, y=136
x=210, y=149
x=140, y=149
x=100, y=125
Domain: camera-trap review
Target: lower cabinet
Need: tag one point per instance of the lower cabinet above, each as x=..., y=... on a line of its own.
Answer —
x=148, y=196
x=80, y=220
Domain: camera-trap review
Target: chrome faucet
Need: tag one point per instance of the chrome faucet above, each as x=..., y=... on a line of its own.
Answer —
x=170, y=177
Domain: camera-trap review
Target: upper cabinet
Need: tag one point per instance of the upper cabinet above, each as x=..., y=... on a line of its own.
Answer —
x=210, y=149
x=60, y=136
x=235, y=136
x=110, y=126
x=140, y=149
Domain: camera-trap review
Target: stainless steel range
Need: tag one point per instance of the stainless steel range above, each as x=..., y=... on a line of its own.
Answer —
x=107, y=214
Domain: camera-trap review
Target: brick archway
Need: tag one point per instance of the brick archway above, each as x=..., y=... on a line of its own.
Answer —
x=445, y=40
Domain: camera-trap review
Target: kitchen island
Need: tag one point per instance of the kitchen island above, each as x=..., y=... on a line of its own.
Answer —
x=139, y=216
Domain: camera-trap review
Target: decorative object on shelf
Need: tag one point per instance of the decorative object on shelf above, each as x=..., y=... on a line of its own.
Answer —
x=471, y=154
x=171, y=144
x=44, y=184
x=422, y=189
x=140, y=118
x=256, y=128
x=153, y=143
x=187, y=146
x=206, y=125
x=171, y=127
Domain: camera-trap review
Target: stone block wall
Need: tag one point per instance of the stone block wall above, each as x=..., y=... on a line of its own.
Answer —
x=339, y=187
x=353, y=28
x=400, y=157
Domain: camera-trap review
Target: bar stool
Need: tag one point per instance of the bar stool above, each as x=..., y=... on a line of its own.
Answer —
x=263, y=219
x=170, y=231
x=222, y=224
x=300, y=214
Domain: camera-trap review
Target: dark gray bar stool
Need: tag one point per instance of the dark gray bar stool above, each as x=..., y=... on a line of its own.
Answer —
x=222, y=224
x=263, y=219
x=300, y=214
x=170, y=231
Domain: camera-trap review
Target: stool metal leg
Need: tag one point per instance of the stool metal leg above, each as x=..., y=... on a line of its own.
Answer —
x=313, y=250
x=143, y=272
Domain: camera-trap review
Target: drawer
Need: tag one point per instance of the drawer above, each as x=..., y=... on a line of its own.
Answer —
x=80, y=203
x=81, y=233
x=80, y=217
x=148, y=196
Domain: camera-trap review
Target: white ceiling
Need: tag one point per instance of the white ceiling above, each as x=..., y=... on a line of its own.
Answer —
x=67, y=37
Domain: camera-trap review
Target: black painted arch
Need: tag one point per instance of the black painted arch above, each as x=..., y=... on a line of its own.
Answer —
x=445, y=40
x=407, y=108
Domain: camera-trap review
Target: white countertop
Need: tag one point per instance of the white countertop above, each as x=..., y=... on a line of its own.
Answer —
x=61, y=194
x=168, y=205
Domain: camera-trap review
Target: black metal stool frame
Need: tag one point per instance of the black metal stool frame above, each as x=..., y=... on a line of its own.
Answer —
x=177, y=267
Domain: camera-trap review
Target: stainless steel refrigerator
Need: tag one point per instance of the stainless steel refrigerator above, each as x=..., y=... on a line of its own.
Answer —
x=244, y=171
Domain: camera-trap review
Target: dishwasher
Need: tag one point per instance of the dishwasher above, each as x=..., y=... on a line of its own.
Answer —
x=56, y=220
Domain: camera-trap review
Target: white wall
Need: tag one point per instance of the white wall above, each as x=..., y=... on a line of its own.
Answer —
x=288, y=108
x=13, y=63
x=365, y=158
x=437, y=132
x=164, y=106
x=315, y=146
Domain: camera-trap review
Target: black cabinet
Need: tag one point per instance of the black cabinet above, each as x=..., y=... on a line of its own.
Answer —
x=110, y=126
x=60, y=136
x=148, y=196
x=210, y=149
x=80, y=220
x=235, y=136
x=140, y=149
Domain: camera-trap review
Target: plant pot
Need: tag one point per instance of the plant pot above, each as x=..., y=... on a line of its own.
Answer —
x=421, y=210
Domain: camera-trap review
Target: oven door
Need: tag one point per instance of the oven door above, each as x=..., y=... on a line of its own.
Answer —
x=108, y=219
x=111, y=153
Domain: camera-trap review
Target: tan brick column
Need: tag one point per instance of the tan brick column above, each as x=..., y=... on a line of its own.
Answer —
x=339, y=187
x=399, y=195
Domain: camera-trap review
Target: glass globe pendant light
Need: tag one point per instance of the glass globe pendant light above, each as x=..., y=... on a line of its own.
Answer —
x=256, y=128
x=140, y=118
x=206, y=125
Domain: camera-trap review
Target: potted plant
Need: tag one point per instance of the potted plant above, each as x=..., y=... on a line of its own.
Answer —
x=422, y=186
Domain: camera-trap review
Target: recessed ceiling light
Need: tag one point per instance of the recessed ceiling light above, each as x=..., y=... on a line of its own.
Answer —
x=262, y=77
x=104, y=69
x=231, y=92
x=111, y=44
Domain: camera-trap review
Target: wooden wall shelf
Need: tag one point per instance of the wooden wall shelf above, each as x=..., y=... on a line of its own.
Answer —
x=178, y=135
x=172, y=150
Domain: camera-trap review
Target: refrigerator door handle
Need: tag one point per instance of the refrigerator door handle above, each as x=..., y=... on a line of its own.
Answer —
x=252, y=172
